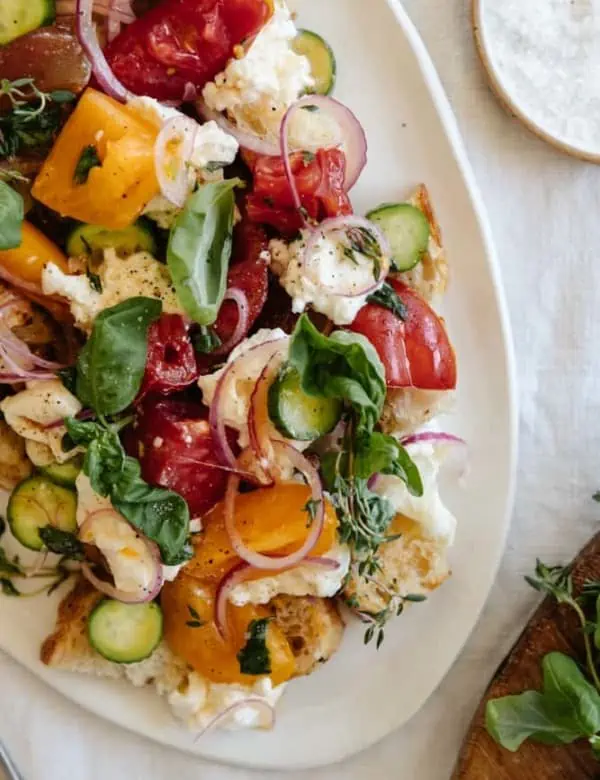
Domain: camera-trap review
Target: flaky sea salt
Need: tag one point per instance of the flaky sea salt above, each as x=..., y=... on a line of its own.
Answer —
x=546, y=54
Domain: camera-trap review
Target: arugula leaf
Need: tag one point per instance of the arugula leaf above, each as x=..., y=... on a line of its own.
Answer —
x=200, y=248
x=161, y=515
x=111, y=365
x=343, y=366
x=254, y=657
x=11, y=217
x=387, y=297
x=62, y=543
x=88, y=159
x=566, y=710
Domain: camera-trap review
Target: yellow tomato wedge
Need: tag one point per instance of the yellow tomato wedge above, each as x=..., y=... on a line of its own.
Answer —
x=115, y=192
x=187, y=602
x=27, y=260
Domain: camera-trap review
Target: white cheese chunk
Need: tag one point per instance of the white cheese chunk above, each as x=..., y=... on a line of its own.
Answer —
x=304, y=580
x=428, y=510
x=31, y=412
x=120, y=278
x=330, y=269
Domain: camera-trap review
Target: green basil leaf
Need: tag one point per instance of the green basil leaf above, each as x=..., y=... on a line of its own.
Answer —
x=574, y=701
x=382, y=454
x=11, y=217
x=343, y=366
x=387, y=297
x=111, y=365
x=161, y=515
x=511, y=720
x=200, y=248
x=254, y=657
x=62, y=543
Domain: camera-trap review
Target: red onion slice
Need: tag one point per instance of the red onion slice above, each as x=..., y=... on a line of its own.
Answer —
x=258, y=417
x=89, y=43
x=432, y=436
x=253, y=143
x=342, y=225
x=216, y=416
x=254, y=701
x=241, y=301
x=139, y=596
x=457, y=449
x=172, y=152
x=267, y=562
x=354, y=141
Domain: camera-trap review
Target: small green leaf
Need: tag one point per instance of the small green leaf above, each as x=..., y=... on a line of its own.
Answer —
x=88, y=159
x=62, y=543
x=387, y=297
x=8, y=588
x=11, y=216
x=205, y=340
x=254, y=657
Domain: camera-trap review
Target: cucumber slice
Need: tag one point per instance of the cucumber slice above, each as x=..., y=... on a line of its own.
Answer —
x=298, y=415
x=125, y=633
x=37, y=502
x=64, y=474
x=407, y=230
x=19, y=17
x=90, y=239
x=321, y=57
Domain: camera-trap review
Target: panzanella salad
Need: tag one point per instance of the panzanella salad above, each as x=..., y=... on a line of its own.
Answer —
x=217, y=377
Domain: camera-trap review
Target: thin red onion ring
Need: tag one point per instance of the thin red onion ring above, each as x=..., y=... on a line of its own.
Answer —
x=246, y=140
x=354, y=138
x=241, y=301
x=139, y=597
x=434, y=437
x=258, y=416
x=267, y=562
x=89, y=43
x=216, y=417
x=343, y=224
x=253, y=700
x=180, y=131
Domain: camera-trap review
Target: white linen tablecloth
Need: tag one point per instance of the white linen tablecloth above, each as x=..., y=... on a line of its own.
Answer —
x=544, y=211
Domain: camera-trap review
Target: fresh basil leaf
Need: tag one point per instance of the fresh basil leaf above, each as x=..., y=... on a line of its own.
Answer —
x=89, y=159
x=511, y=720
x=62, y=543
x=343, y=366
x=387, y=297
x=200, y=248
x=573, y=700
x=11, y=216
x=111, y=365
x=254, y=657
x=161, y=515
x=567, y=709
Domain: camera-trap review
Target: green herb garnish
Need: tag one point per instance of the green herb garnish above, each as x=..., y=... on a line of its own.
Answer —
x=254, y=657
x=89, y=159
x=387, y=297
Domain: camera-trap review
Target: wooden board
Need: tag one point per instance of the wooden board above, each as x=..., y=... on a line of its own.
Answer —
x=552, y=627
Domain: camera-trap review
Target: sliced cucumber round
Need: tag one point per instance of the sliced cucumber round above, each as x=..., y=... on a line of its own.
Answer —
x=90, y=239
x=298, y=415
x=125, y=633
x=321, y=57
x=64, y=473
x=407, y=231
x=18, y=17
x=36, y=503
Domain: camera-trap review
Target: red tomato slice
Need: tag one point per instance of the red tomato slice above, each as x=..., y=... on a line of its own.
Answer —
x=171, y=361
x=175, y=448
x=415, y=353
x=320, y=182
x=182, y=41
x=249, y=274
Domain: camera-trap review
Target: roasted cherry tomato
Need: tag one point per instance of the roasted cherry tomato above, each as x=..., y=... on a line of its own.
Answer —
x=415, y=353
x=249, y=274
x=182, y=42
x=269, y=520
x=204, y=648
x=171, y=362
x=173, y=442
x=320, y=182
